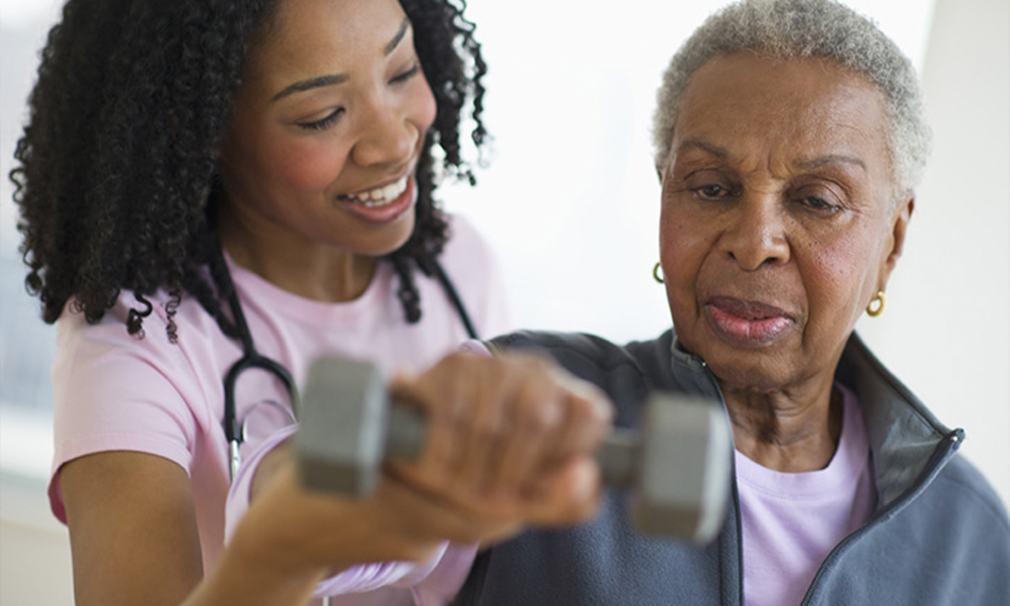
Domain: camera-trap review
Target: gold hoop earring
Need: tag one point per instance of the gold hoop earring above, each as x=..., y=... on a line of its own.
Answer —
x=655, y=273
x=881, y=301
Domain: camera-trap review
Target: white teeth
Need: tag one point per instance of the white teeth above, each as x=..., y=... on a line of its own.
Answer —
x=381, y=196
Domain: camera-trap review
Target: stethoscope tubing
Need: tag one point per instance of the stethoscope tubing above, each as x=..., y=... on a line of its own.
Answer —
x=234, y=429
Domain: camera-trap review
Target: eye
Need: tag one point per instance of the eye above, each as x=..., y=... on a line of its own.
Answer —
x=817, y=203
x=325, y=123
x=825, y=205
x=412, y=71
x=711, y=191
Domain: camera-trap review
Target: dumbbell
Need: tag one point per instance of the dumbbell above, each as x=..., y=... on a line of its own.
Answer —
x=677, y=466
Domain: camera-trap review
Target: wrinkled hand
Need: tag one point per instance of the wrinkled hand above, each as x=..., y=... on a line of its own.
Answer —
x=509, y=444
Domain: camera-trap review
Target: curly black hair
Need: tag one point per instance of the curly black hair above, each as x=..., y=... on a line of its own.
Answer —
x=117, y=179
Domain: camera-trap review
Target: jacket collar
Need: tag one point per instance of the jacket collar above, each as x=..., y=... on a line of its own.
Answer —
x=907, y=443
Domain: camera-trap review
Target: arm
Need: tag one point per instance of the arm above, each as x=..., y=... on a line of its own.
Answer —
x=509, y=445
x=520, y=477
x=125, y=436
x=134, y=540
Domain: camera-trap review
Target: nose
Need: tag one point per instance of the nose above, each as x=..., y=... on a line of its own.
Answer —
x=755, y=236
x=387, y=136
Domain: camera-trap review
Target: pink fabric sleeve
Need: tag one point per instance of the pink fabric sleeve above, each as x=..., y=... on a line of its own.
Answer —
x=238, y=494
x=113, y=391
x=476, y=347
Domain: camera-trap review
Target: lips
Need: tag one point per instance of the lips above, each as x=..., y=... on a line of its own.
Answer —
x=379, y=196
x=384, y=204
x=746, y=323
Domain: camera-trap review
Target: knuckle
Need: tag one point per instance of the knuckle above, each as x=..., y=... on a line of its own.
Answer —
x=539, y=418
x=525, y=365
x=448, y=408
x=592, y=403
x=540, y=366
x=537, y=406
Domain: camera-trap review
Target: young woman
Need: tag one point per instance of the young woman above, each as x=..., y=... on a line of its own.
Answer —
x=212, y=194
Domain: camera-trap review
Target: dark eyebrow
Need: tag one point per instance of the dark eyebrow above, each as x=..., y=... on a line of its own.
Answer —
x=304, y=85
x=334, y=79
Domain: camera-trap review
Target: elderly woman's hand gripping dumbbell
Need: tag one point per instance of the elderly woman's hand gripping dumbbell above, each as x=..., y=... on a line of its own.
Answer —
x=677, y=463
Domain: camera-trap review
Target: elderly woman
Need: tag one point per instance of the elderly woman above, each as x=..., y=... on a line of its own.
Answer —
x=790, y=137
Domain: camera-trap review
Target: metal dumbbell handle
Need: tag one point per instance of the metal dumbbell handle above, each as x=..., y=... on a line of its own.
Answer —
x=617, y=455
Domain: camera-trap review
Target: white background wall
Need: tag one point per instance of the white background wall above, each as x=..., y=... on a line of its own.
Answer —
x=570, y=201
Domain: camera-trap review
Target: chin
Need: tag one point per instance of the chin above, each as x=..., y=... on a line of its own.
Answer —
x=759, y=369
x=754, y=378
x=387, y=243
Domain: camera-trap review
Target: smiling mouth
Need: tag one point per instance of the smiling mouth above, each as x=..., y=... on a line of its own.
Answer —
x=380, y=196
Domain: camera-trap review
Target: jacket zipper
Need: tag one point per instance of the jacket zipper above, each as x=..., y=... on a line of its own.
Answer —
x=940, y=454
x=736, y=494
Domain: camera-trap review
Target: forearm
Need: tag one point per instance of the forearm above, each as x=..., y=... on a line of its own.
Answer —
x=352, y=527
x=239, y=580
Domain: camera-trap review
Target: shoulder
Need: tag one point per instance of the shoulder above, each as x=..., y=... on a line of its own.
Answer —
x=587, y=349
x=962, y=533
x=462, y=230
x=965, y=485
x=102, y=366
x=466, y=246
x=575, y=345
x=474, y=270
x=116, y=391
x=588, y=356
x=626, y=373
x=961, y=513
x=191, y=320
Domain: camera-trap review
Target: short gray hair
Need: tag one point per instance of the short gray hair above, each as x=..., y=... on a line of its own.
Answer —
x=794, y=29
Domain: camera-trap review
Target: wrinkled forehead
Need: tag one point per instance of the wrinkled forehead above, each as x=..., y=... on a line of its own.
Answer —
x=750, y=104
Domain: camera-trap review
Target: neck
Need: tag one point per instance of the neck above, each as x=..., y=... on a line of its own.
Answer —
x=290, y=262
x=788, y=431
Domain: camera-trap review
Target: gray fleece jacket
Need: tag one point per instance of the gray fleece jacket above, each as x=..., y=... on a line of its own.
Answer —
x=939, y=534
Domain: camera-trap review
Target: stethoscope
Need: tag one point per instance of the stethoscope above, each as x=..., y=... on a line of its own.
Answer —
x=234, y=429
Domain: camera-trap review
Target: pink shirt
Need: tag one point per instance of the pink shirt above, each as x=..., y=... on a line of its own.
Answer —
x=117, y=392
